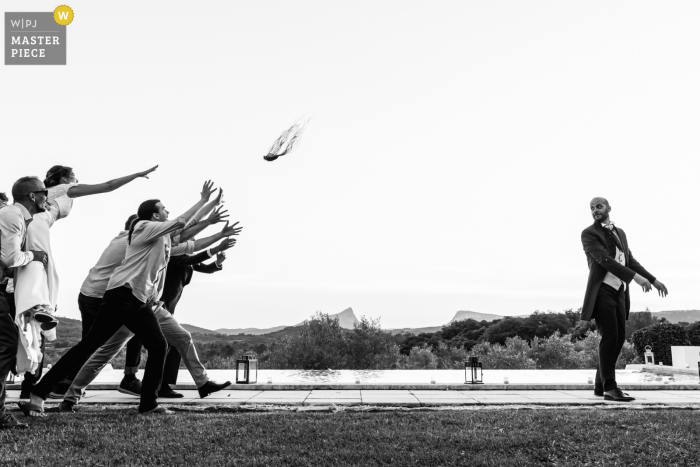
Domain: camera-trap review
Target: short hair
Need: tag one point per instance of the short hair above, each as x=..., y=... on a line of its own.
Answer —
x=145, y=212
x=22, y=187
x=55, y=173
x=130, y=221
x=3, y=197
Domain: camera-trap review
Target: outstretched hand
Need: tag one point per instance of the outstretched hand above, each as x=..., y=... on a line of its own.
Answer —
x=217, y=216
x=220, y=258
x=643, y=282
x=227, y=231
x=225, y=245
x=663, y=291
x=207, y=190
x=220, y=197
x=145, y=173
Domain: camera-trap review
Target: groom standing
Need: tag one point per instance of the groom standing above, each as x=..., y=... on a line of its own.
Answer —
x=612, y=267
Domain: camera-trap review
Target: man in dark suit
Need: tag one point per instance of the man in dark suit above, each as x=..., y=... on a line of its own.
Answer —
x=612, y=267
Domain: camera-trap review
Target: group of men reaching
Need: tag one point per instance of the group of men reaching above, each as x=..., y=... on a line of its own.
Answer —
x=127, y=299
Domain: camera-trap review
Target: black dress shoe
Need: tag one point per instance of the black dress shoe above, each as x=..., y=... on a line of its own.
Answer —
x=617, y=395
x=211, y=387
x=67, y=406
x=170, y=394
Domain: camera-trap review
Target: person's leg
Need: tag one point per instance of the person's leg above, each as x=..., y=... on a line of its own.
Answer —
x=96, y=364
x=115, y=304
x=30, y=379
x=181, y=339
x=143, y=323
x=133, y=359
x=172, y=367
x=605, y=315
x=88, y=306
x=9, y=338
x=621, y=316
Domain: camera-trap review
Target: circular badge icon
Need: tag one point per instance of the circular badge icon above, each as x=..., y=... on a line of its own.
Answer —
x=63, y=15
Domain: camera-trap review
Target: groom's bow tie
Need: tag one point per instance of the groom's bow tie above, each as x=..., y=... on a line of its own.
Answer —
x=609, y=226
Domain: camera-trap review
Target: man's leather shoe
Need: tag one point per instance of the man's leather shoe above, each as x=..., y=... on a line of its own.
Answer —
x=67, y=406
x=211, y=387
x=617, y=395
x=170, y=394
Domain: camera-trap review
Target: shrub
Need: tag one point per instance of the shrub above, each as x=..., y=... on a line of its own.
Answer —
x=319, y=346
x=368, y=347
x=554, y=352
x=420, y=358
x=450, y=358
x=660, y=337
x=512, y=355
x=693, y=332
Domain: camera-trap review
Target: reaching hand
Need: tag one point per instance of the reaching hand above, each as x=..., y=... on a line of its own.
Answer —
x=220, y=258
x=232, y=230
x=145, y=173
x=225, y=245
x=646, y=285
x=217, y=216
x=207, y=190
x=663, y=291
x=220, y=198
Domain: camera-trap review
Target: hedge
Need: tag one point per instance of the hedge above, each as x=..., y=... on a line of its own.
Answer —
x=660, y=337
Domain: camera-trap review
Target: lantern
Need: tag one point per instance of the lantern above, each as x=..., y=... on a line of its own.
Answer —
x=473, y=371
x=247, y=370
x=648, y=356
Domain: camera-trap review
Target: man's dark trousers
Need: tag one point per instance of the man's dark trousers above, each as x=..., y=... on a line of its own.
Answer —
x=610, y=317
x=119, y=308
x=9, y=338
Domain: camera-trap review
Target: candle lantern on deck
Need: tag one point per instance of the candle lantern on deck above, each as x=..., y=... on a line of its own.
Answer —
x=648, y=356
x=247, y=370
x=473, y=372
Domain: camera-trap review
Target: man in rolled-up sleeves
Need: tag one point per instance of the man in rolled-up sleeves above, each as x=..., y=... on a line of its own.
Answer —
x=29, y=194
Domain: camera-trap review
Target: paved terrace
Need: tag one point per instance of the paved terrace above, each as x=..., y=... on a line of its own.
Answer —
x=103, y=392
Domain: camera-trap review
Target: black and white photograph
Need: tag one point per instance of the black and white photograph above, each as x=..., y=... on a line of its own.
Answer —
x=350, y=233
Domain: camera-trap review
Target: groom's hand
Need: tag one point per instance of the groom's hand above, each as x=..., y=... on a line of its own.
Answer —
x=646, y=285
x=41, y=256
x=663, y=291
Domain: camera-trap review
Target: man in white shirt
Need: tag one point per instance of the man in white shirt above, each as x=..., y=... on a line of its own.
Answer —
x=29, y=194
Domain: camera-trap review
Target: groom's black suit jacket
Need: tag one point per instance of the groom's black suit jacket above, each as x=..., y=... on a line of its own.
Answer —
x=599, y=245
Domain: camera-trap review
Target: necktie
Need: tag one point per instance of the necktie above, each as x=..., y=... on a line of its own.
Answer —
x=616, y=238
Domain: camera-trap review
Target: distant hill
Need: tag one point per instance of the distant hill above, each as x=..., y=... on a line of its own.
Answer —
x=462, y=315
x=191, y=328
x=249, y=331
x=429, y=329
x=678, y=316
x=346, y=318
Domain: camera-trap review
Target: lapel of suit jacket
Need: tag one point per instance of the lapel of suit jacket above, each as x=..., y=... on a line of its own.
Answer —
x=623, y=240
x=607, y=235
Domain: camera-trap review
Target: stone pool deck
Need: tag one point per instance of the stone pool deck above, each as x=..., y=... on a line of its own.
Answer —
x=103, y=391
x=393, y=398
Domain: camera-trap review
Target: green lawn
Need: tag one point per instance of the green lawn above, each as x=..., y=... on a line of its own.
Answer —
x=506, y=437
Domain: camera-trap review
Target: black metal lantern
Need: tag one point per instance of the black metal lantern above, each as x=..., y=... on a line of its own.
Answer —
x=473, y=372
x=247, y=370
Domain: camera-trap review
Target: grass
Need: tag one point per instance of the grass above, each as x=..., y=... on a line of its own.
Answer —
x=468, y=437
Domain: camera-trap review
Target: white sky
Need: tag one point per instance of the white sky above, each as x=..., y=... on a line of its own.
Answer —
x=452, y=154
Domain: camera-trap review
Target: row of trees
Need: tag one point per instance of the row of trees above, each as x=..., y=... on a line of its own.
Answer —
x=322, y=344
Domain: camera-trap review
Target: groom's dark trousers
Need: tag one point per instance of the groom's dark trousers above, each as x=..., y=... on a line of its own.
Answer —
x=609, y=307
